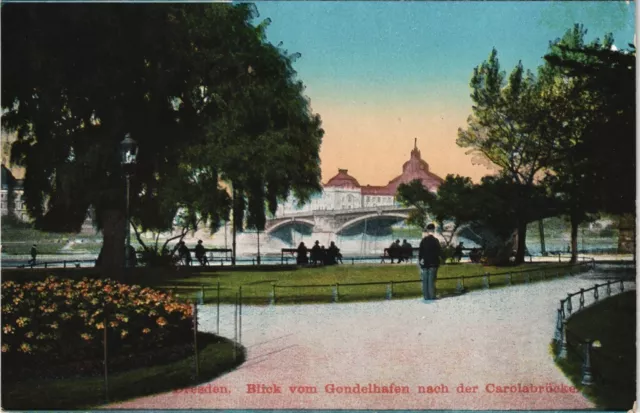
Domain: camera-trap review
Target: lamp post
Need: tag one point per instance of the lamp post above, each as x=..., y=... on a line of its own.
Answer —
x=129, y=155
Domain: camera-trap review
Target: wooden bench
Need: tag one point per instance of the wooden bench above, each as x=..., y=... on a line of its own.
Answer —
x=292, y=251
x=402, y=254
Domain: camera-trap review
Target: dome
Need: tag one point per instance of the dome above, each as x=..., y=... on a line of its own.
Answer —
x=343, y=180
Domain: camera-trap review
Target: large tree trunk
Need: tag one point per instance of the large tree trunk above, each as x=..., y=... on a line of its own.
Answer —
x=522, y=243
x=113, y=234
x=575, y=223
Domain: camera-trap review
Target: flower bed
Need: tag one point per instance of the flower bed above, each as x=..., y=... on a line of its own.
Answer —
x=62, y=322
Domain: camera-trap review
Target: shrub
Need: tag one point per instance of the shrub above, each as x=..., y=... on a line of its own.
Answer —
x=61, y=321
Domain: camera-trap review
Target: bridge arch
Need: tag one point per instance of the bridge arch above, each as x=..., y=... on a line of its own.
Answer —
x=383, y=215
x=291, y=221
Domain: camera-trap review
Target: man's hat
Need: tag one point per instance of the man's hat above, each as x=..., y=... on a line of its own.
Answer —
x=430, y=227
x=199, y=241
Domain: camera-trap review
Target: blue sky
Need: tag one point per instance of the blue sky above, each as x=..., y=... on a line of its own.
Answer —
x=397, y=45
x=378, y=71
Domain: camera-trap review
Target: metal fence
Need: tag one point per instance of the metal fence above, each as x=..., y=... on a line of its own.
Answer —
x=568, y=343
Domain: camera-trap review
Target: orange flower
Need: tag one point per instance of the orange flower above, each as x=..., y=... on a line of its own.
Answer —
x=145, y=331
x=161, y=321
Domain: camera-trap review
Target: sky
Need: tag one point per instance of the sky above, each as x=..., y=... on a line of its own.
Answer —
x=383, y=73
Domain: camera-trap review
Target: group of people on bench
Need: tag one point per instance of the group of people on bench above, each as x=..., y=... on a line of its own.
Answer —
x=402, y=252
x=475, y=254
x=184, y=254
x=319, y=254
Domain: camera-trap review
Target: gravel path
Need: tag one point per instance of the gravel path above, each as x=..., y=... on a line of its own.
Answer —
x=498, y=337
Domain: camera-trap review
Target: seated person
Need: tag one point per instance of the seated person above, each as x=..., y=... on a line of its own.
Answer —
x=201, y=253
x=333, y=254
x=301, y=258
x=184, y=254
x=457, y=254
x=407, y=250
x=316, y=253
x=395, y=251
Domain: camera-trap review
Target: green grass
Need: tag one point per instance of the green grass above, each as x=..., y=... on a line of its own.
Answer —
x=318, y=282
x=216, y=358
x=613, y=323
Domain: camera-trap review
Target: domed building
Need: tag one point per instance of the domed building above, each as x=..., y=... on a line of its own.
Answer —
x=343, y=191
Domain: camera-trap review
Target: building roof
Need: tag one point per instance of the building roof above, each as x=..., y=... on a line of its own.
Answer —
x=416, y=168
x=342, y=180
x=376, y=190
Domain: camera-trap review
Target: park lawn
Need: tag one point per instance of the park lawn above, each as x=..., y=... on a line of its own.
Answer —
x=216, y=357
x=317, y=284
x=612, y=322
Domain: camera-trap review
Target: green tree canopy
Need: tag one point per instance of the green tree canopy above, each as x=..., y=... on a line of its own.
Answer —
x=196, y=85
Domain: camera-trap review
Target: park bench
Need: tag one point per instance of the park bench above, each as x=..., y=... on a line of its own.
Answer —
x=210, y=254
x=292, y=251
x=399, y=253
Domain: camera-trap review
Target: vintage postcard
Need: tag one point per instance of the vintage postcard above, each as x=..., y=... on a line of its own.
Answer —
x=351, y=205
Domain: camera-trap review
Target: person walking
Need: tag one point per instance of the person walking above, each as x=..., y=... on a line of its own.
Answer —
x=34, y=255
x=429, y=261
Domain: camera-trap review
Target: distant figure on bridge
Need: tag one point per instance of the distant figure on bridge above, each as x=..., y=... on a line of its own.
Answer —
x=407, y=250
x=302, y=258
x=184, y=254
x=201, y=254
x=457, y=254
x=333, y=254
x=316, y=253
x=34, y=255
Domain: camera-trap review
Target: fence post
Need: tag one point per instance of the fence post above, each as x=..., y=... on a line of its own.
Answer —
x=106, y=356
x=240, y=315
x=64, y=264
x=459, y=286
x=595, y=293
x=389, y=293
x=253, y=261
x=621, y=286
x=527, y=278
x=581, y=299
x=487, y=280
x=235, y=328
x=509, y=279
x=608, y=288
x=587, y=377
x=352, y=261
x=569, y=306
x=273, y=294
x=221, y=263
x=335, y=293
x=218, y=311
x=195, y=339
x=562, y=353
x=559, y=321
x=559, y=258
x=201, y=298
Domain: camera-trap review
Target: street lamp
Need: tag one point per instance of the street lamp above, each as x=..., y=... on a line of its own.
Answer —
x=129, y=155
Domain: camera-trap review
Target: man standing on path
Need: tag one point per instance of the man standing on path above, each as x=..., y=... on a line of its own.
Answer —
x=429, y=261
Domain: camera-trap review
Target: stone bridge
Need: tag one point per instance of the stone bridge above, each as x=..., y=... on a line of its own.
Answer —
x=336, y=221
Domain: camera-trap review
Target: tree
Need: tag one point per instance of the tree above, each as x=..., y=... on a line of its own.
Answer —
x=586, y=87
x=603, y=76
x=77, y=77
x=570, y=107
x=507, y=128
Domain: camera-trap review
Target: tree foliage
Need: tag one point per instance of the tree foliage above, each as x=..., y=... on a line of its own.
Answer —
x=211, y=104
